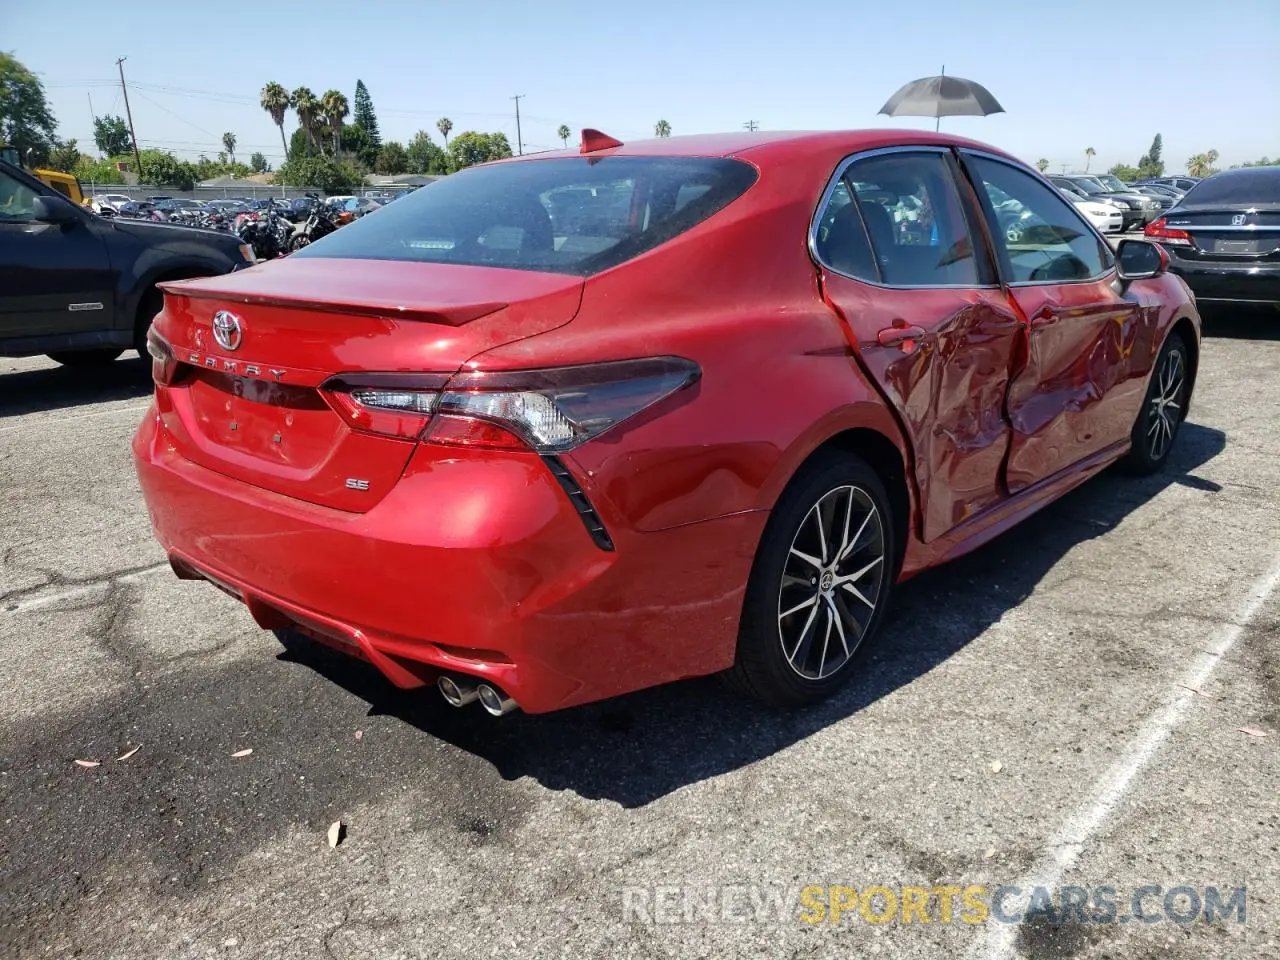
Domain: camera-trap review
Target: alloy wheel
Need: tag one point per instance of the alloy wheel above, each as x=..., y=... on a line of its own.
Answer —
x=832, y=582
x=1165, y=410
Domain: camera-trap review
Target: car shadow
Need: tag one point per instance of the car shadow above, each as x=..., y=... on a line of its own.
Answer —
x=1240, y=322
x=55, y=388
x=637, y=748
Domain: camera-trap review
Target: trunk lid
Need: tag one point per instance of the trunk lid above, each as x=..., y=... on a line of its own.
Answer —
x=1232, y=233
x=253, y=411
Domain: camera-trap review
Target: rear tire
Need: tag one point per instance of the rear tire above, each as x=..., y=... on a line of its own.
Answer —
x=820, y=584
x=85, y=358
x=1163, y=408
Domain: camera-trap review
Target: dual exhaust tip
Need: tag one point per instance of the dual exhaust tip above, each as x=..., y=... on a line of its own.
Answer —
x=460, y=691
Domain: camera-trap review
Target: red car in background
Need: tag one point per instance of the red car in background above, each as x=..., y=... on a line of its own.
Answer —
x=566, y=426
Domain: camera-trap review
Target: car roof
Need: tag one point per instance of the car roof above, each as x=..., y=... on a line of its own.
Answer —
x=771, y=145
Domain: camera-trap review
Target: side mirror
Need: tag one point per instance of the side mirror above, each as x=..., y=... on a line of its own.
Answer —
x=49, y=210
x=1140, y=259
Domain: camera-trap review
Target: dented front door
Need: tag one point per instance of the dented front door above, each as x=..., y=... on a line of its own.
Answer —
x=1077, y=393
x=1081, y=381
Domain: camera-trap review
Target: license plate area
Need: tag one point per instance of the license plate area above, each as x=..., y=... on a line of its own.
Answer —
x=1238, y=247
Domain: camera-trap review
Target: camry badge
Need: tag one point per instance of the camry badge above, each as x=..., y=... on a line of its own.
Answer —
x=226, y=330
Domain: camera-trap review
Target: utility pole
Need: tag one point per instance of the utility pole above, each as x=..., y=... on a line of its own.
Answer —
x=519, y=139
x=751, y=125
x=137, y=157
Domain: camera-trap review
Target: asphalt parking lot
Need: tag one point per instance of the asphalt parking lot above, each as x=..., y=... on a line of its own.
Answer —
x=1063, y=707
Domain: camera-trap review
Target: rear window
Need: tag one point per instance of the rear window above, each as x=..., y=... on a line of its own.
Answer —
x=1251, y=187
x=575, y=215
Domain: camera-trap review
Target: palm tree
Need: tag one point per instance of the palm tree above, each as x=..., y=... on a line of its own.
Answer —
x=662, y=129
x=229, y=141
x=335, y=108
x=444, y=125
x=1042, y=165
x=307, y=107
x=563, y=133
x=1201, y=165
x=1089, y=153
x=275, y=100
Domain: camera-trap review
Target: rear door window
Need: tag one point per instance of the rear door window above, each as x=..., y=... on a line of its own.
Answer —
x=566, y=215
x=913, y=219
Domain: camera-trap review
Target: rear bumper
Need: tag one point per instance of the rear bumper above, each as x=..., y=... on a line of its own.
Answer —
x=477, y=565
x=1245, y=283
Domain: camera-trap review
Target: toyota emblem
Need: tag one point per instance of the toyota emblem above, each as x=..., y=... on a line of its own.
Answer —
x=226, y=330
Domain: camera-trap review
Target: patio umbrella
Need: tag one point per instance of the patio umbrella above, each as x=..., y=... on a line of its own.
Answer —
x=942, y=96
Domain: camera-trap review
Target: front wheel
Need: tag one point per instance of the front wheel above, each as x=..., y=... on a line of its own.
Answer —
x=148, y=308
x=819, y=586
x=1163, y=408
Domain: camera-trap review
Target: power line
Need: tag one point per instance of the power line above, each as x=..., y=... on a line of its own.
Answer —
x=751, y=125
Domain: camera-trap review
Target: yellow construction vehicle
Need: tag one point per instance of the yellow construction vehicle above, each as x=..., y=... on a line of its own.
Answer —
x=65, y=183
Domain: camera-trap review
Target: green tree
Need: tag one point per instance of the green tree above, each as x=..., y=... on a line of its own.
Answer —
x=356, y=143
x=1150, y=163
x=363, y=115
x=1042, y=165
x=424, y=157
x=563, y=133
x=392, y=159
x=65, y=157
x=275, y=100
x=89, y=170
x=307, y=107
x=335, y=109
x=1201, y=165
x=111, y=136
x=444, y=125
x=299, y=144
x=162, y=169
x=1264, y=162
x=470, y=148
x=662, y=129
x=323, y=173
x=1125, y=172
x=229, y=142
x=258, y=163
x=1089, y=154
x=26, y=122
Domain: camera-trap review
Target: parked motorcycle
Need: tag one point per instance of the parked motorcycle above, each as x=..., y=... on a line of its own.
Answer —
x=266, y=231
x=321, y=222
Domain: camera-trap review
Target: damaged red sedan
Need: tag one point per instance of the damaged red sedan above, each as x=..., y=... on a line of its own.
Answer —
x=566, y=426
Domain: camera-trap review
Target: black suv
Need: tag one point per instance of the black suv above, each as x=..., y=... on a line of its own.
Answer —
x=82, y=288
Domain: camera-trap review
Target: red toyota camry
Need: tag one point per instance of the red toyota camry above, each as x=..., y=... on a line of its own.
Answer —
x=562, y=427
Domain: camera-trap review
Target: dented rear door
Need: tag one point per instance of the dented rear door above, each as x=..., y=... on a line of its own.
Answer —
x=930, y=325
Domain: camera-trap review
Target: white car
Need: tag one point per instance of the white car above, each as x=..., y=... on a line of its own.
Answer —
x=112, y=200
x=1104, y=216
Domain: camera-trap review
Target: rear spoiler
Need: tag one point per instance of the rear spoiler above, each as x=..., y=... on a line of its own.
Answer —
x=453, y=316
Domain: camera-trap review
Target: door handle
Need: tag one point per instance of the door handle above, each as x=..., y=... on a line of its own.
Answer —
x=896, y=336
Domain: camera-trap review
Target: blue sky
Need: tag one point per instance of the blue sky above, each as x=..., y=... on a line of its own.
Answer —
x=1070, y=74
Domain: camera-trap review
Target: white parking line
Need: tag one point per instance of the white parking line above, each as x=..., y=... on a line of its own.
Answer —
x=1067, y=844
x=41, y=421
x=49, y=599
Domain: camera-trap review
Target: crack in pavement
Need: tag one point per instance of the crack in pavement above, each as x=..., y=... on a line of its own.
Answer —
x=29, y=598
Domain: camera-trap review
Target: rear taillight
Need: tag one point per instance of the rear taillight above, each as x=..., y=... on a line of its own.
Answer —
x=165, y=366
x=548, y=410
x=1160, y=230
x=391, y=404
